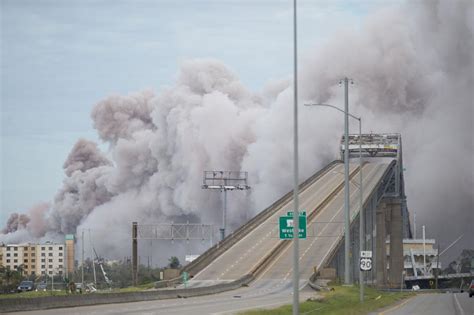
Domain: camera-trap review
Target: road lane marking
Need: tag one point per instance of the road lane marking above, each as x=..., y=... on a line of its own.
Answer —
x=457, y=304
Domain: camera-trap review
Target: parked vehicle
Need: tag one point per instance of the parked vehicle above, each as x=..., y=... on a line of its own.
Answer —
x=471, y=289
x=25, y=286
x=42, y=286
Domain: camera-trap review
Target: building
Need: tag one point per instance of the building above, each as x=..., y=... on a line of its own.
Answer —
x=419, y=257
x=51, y=259
x=12, y=256
x=69, y=254
x=34, y=259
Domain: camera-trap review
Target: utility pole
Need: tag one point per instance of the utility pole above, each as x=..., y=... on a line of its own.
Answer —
x=424, y=251
x=134, y=253
x=82, y=260
x=347, y=279
x=361, y=215
x=93, y=259
x=437, y=268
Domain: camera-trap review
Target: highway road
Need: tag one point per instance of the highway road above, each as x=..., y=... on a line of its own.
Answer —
x=433, y=304
x=267, y=295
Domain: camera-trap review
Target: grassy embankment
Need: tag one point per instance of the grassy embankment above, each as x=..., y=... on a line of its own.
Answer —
x=342, y=301
x=35, y=294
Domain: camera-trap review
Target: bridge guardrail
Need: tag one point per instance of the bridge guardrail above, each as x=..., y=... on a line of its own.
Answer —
x=49, y=302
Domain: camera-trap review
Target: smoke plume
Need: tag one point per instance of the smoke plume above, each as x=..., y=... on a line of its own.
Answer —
x=413, y=73
x=15, y=222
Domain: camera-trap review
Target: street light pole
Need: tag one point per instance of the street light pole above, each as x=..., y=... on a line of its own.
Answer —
x=361, y=193
x=361, y=215
x=296, y=275
x=347, y=279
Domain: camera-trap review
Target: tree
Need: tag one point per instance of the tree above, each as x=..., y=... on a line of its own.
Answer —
x=174, y=262
x=9, y=279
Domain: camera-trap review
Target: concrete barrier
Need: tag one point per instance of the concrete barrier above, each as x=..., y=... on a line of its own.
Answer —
x=48, y=302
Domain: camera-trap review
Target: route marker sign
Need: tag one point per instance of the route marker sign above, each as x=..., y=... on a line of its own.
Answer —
x=287, y=224
x=365, y=260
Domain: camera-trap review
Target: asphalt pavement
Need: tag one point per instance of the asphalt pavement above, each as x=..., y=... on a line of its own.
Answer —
x=433, y=304
x=265, y=294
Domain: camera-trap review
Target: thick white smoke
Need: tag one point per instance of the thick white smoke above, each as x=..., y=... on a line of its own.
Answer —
x=413, y=73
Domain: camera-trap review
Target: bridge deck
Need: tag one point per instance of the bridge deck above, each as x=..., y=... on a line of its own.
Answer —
x=324, y=232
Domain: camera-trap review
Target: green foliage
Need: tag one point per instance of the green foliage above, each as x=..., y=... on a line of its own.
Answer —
x=10, y=279
x=174, y=262
x=342, y=301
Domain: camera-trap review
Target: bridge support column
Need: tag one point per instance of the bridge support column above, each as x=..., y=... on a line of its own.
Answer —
x=394, y=205
x=380, y=259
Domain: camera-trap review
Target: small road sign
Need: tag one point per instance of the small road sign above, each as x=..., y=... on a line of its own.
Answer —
x=365, y=264
x=366, y=253
x=185, y=277
x=286, y=226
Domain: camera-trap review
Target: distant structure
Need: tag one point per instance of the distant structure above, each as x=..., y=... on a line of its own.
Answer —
x=420, y=257
x=70, y=241
x=35, y=259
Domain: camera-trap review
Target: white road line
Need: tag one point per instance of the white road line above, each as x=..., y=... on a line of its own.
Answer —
x=457, y=304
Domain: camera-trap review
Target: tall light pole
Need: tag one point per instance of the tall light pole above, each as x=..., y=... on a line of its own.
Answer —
x=224, y=181
x=346, y=201
x=296, y=214
x=347, y=278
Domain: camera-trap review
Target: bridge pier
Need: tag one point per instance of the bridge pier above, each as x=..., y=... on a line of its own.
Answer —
x=380, y=257
x=394, y=208
x=389, y=222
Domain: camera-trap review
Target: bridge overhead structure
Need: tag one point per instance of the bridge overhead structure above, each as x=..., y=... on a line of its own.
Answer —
x=384, y=146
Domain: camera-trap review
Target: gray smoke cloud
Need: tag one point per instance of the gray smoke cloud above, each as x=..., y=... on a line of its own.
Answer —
x=413, y=73
x=15, y=222
x=84, y=156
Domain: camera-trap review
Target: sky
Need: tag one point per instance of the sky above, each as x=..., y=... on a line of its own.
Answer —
x=59, y=58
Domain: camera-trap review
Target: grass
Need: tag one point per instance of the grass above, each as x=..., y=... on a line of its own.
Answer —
x=35, y=294
x=342, y=301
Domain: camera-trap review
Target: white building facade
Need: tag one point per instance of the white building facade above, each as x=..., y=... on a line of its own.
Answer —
x=34, y=259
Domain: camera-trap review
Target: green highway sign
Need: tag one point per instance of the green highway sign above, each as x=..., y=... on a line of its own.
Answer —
x=286, y=226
